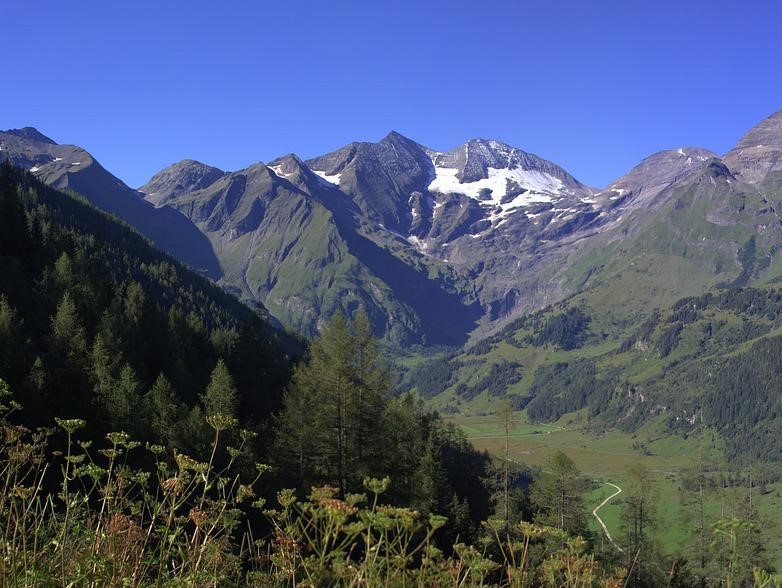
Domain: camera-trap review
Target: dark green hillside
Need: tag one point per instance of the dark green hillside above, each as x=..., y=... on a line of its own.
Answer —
x=97, y=324
x=706, y=362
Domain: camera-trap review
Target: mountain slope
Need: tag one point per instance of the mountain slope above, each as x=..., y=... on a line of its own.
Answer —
x=92, y=316
x=441, y=246
x=68, y=167
x=627, y=348
x=758, y=154
x=429, y=243
x=291, y=239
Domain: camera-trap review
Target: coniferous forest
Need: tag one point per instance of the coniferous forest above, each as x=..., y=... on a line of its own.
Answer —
x=156, y=431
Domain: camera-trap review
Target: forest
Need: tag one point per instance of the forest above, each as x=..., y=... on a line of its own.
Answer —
x=156, y=431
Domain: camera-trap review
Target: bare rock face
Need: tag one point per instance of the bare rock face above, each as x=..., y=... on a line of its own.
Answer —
x=180, y=178
x=379, y=177
x=759, y=152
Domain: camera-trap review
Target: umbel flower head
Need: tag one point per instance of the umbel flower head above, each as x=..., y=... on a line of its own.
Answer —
x=221, y=422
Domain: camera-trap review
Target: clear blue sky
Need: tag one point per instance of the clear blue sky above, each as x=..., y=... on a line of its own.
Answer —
x=592, y=85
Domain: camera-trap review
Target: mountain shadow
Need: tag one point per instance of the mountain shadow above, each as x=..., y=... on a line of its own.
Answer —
x=445, y=318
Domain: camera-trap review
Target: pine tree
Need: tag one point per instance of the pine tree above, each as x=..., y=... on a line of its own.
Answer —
x=221, y=396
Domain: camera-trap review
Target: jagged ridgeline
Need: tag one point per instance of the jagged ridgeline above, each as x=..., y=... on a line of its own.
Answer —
x=95, y=323
x=444, y=247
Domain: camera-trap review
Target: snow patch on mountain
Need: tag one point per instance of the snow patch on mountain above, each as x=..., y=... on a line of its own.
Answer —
x=683, y=153
x=492, y=193
x=331, y=179
x=418, y=243
x=277, y=169
x=539, y=185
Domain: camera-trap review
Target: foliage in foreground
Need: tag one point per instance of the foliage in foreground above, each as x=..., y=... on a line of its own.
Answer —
x=85, y=517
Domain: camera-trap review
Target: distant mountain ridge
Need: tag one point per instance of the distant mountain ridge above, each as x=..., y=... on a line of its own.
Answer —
x=438, y=245
x=68, y=167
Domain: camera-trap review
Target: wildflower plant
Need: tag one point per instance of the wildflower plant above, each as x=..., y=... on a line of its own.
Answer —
x=86, y=516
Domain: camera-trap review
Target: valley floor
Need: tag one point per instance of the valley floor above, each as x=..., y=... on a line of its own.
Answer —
x=604, y=456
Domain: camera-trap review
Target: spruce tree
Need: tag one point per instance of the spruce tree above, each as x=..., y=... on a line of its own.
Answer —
x=163, y=409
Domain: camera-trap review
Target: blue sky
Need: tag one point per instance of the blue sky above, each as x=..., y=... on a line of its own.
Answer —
x=594, y=86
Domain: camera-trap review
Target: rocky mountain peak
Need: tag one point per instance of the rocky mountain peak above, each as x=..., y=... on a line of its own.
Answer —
x=642, y=185
x=30, y=134
x=483, y=160
x=492, y=170
x=759, y=152
x=396, y=137
x=767, y=132
x=287, y=164
x=664, y=167
x=184, y=176
x=291, y=168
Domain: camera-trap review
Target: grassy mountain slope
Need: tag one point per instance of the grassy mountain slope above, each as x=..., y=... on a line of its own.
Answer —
x=663, y=329
x=288, y=238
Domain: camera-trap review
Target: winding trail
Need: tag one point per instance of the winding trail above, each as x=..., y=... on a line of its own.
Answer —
x=599, y=520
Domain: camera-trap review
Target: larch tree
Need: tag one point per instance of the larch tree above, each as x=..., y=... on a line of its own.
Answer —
x=639, y=519
x=163, y=409
x=67, y=331
x=68, y=360
x=330, y=429
x=556, y=495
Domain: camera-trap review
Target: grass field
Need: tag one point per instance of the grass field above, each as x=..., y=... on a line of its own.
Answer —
x=603, y=456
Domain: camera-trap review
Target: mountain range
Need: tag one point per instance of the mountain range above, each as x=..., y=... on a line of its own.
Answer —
x=437, y=247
